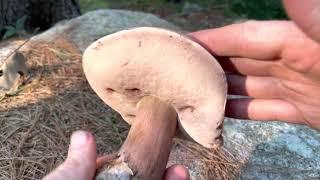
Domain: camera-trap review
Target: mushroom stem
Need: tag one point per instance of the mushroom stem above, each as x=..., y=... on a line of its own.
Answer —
x=145, y=152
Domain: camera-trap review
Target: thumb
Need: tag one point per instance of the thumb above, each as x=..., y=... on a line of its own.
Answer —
x=81, y=161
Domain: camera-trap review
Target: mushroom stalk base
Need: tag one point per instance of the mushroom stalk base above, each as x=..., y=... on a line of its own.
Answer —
x=145, y=152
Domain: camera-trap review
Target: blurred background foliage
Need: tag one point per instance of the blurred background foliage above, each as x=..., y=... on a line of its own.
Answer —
x=257, y=9
x=190, y=15
x=245, y=9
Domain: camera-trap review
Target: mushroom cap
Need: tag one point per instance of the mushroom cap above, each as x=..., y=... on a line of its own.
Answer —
x=125, y=66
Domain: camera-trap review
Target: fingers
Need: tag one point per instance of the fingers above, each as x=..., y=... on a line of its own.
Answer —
x=246, y=66
x=253, y=86
x=176, y=172
x=306, y=14
x=81, y=161
x=263, y=110
x=253, y=39
x=103, y=160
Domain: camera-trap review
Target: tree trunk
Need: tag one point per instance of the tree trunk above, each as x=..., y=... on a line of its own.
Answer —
x=40, y=13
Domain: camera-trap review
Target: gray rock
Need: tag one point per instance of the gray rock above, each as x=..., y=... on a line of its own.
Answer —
x=84, y=30
x=274, y=150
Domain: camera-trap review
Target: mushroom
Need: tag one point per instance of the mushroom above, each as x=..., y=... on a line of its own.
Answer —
x=141, y=73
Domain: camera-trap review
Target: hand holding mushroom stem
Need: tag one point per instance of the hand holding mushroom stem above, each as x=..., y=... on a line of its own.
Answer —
x=154, y=77
x=81, y=161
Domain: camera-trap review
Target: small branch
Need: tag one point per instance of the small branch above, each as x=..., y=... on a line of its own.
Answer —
x=20, y=46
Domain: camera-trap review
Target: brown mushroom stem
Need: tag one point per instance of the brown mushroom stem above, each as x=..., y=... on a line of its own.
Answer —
x=146, y=150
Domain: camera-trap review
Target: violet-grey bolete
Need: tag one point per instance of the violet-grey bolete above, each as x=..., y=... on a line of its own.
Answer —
x=173, y=72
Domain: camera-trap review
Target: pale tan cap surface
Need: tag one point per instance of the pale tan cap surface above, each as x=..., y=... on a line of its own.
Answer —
x=128, y=65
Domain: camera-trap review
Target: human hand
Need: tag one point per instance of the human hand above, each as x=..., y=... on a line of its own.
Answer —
x=81, y=162
x=275, y=64
x=306, y=14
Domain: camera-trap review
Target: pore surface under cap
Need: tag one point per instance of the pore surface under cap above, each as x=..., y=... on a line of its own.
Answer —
x=125, y=66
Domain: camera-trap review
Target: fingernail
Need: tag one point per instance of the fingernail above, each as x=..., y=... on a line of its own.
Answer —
x=79, y=139
x=177, y=172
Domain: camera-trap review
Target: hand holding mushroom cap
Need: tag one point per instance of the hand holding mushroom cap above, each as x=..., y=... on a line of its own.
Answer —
x=274, y=63
x=148, y=75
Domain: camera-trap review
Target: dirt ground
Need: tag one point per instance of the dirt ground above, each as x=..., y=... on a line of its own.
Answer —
x=37, y=120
